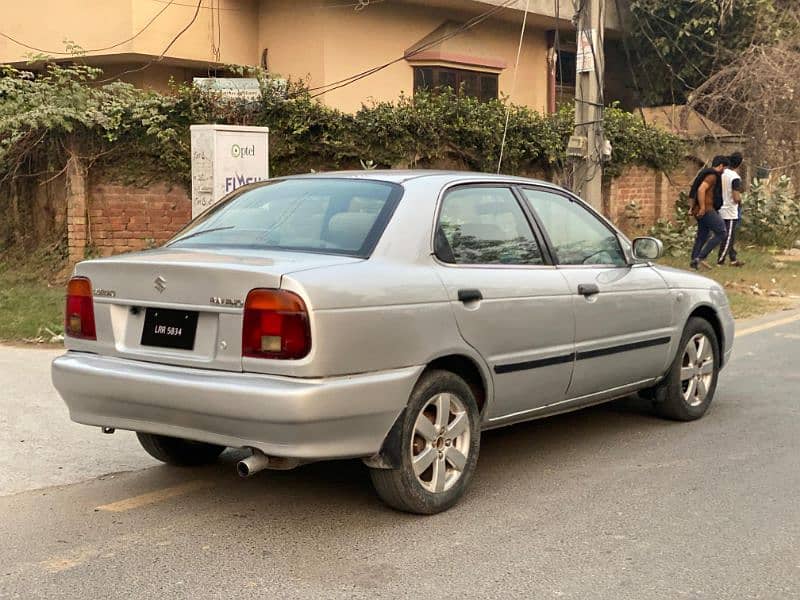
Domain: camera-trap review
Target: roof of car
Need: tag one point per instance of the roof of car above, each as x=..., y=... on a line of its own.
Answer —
x=403, y=175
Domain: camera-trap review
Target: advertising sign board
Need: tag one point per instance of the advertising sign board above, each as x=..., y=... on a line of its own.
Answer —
x=231, y=88
x=224, y=158
x=585, y=58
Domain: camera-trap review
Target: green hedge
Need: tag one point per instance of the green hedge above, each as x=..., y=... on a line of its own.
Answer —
x=141, y=135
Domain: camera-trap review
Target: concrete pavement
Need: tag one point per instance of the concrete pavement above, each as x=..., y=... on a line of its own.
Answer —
x=609, y=502
x=39, y=445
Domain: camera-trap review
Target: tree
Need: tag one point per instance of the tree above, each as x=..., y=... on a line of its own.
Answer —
x=680, y=44
x=756, y=95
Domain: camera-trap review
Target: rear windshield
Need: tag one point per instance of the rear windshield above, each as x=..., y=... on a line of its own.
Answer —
x=331, y=216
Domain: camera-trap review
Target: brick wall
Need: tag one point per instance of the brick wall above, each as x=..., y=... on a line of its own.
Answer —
x=124, y=218
x=637, y=185
x=653, y=193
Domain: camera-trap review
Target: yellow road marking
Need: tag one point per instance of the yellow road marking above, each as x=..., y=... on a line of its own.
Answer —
x=156, y=496
x=769, y=325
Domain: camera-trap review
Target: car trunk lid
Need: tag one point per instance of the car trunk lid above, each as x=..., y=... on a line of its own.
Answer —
x=184, y=306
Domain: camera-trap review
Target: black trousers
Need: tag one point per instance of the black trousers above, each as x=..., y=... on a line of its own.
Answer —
x=710, y=234
x=727, y=248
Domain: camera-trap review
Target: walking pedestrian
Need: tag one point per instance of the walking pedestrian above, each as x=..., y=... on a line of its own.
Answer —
x=706, y=196
x=731, y=209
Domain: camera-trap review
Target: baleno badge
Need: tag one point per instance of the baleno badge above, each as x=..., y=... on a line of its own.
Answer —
x=226, y=301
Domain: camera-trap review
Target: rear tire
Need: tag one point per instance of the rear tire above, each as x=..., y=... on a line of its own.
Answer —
x=688, y=389
x=179, y=452
x=437, y=446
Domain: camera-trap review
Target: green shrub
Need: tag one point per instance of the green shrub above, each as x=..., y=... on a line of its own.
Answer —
x=677, y=234
x=141, y=135
x=633, y=142
x=770, y=214
x=770, y=218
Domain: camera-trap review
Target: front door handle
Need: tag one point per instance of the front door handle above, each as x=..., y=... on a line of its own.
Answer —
x=469, y=295
x=588, y=289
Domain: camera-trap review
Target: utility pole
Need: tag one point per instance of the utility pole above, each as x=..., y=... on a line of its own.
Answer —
x=588, y=145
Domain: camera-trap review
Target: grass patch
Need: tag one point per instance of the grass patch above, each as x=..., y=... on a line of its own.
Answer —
x=31, y=296
x=749, y=287
x=744, y=306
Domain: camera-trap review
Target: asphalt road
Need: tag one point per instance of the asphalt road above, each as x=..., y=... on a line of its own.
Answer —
x=609, y=502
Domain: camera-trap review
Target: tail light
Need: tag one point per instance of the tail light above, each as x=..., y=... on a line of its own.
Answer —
x=275, y=325
x=79, y=315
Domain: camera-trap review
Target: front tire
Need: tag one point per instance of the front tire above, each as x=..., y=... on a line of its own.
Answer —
x=437, y=446
x=179, y=452
x=688, y=389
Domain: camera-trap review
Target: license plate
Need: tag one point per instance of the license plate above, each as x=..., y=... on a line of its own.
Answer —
x=168, y=328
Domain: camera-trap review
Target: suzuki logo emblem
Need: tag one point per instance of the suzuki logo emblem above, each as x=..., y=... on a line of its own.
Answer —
x=160, y=284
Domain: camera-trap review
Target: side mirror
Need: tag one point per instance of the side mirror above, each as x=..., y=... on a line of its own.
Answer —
x=647, y=248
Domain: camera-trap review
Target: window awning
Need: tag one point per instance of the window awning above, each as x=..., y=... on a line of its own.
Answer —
x=462, y=49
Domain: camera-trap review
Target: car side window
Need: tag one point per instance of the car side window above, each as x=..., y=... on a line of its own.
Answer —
x=485, y=225
x=576, y=235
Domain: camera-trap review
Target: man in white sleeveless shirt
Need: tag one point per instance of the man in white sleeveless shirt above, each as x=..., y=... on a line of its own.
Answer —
x=731, y=209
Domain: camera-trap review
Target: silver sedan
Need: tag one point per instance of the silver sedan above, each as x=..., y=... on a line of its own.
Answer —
x=390, y=316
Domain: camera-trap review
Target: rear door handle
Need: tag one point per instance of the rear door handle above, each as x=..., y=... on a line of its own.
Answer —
x=588, y=289
x=469, y=295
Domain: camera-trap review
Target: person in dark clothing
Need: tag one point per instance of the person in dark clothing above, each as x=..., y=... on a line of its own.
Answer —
x=706, y=196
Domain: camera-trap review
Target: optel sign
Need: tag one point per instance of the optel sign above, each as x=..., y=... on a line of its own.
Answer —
x=237, y=180
x=238, y=151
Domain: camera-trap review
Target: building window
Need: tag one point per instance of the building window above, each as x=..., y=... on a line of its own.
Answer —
x=565, y=76
x=477, y=84
x=561, y=59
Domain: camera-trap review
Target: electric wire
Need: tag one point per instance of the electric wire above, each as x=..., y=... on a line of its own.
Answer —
x=595, y=154
x=335, y=85
x=464, y=27
x=557, y=45
x=209, y=7
x=82, y=50
x=163, y=53
x=634, y=78
x=219, y=29
x=637, y=89
x=513, y=85
x=216, y=32
x=354, y=5
x=661, y=56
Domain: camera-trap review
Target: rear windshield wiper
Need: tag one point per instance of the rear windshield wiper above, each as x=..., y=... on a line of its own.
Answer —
x=196, y=233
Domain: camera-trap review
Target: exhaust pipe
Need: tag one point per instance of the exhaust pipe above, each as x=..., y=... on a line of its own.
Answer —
x=257, y=461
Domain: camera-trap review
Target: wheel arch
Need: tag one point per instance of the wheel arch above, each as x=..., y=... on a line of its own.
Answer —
x=709, y=314
x=469, y=369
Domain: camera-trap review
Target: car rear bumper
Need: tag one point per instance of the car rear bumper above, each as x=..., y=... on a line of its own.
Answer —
x=337, y=417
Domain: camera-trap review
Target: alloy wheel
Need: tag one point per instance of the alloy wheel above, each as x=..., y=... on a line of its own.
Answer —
x=440, y=444
x=697, y=369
